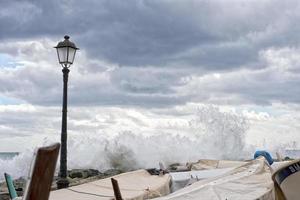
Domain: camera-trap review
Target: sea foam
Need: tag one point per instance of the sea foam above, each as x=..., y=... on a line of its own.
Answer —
x=212, y=135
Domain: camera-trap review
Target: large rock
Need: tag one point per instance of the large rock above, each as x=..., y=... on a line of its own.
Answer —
x=83, y=173
x=112, y=172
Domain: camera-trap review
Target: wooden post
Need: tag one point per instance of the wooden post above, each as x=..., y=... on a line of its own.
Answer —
x=116, y=188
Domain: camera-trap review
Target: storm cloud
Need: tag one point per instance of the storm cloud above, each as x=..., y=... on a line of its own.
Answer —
x=153, y=53
x=211, y=35
x=147, y=66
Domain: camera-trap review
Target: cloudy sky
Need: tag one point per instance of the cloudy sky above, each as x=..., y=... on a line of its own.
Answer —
x=147, y=65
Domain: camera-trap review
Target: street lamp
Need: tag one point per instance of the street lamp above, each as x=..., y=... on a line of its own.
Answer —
x=66, y=53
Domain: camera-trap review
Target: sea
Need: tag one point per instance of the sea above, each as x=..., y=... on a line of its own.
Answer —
x=8, y=155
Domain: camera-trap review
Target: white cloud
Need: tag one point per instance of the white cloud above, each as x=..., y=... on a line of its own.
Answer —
x=41, y=122
x=277, y=82
x=145, y=66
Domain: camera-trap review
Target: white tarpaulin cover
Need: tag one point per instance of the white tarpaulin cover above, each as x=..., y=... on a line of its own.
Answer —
x=201, y=174
x=182, y=179
x=136, y=185
x=250, y=181
x=215, y=164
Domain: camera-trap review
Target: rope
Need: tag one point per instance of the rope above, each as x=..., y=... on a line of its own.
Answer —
x=108, y=187
x=98, y=195
x=147, y=190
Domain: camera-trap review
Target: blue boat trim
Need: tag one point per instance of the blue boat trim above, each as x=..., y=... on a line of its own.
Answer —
x=286, y=172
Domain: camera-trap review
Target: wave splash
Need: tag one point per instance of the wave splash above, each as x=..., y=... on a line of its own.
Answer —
x=214, y=135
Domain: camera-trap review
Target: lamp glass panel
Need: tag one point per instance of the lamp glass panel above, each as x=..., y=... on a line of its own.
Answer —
x=71, y=55
x=62, y=55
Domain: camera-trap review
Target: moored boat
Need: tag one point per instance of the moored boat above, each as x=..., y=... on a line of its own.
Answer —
x=135, y=185
x=250, y=181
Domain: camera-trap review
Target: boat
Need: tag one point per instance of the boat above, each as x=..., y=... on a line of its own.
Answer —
x=135, y=185
x=287, y=179
x=250, y=181
x=207, y=179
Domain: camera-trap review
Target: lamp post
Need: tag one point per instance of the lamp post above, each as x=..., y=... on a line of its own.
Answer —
x=66, y=53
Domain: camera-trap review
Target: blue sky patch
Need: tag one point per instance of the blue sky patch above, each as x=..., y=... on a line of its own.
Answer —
x=9, y=101
x=6, y=61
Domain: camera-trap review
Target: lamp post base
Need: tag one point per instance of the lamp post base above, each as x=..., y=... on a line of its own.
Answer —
x=62, y=183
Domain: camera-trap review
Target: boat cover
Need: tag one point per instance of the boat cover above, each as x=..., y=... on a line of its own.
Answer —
x=215, y=164
x=135, y=185
x=250, y=181
x=201, y=174
x=182, y=179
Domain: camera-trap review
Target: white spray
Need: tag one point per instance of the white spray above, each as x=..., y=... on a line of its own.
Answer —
x=212, y=134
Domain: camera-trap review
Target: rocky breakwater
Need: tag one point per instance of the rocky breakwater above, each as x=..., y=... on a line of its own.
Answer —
x=75, y=176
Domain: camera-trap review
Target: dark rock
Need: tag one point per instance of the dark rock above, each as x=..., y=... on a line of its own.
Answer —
x=77, y=173
x=4, y=196
x=20, y=184
x=93, y=172
x=153, y=171
x=112, y=172
x=287, y=158
x=83, y=173
x=174, y=166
